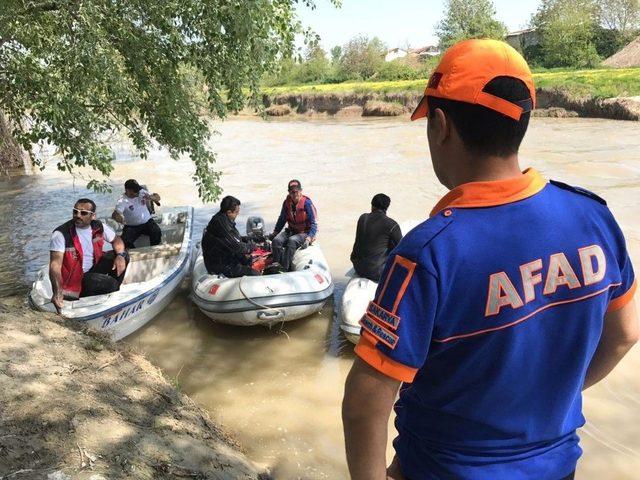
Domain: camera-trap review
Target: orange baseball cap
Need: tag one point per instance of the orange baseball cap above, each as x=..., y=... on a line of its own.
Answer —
x=467, y=67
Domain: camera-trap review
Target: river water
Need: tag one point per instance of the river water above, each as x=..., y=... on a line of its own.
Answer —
x=279, y=390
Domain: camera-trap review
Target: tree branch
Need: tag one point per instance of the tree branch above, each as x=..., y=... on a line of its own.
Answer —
x=44, y=7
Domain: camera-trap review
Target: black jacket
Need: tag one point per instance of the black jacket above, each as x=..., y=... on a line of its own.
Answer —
x=222, y=246
x=376, y=236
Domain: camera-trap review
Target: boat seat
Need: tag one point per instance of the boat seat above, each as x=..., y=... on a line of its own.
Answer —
x=156, y=251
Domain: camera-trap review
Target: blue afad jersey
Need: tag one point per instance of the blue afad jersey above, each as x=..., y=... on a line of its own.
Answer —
x=490, y=312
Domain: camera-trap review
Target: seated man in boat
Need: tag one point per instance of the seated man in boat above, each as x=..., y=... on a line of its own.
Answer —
x=299, y=213
x=224, y=250
x=376, y=236
x=132, y=209
x=78, y=265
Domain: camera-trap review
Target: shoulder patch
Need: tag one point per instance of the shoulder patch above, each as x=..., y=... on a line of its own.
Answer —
x=413, y=242
x=579, y=191
x=385, y=336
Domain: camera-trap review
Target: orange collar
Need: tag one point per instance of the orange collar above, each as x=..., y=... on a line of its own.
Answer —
x=490, y=194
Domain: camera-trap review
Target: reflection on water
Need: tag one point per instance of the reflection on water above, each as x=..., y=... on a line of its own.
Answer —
x=279, y=390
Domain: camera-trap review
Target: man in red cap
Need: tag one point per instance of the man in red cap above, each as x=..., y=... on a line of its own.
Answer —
x=495, y=313
x=300, y=216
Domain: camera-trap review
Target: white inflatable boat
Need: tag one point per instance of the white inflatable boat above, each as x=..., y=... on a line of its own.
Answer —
x=357, y=295
x=152, y=279
x=266, y=299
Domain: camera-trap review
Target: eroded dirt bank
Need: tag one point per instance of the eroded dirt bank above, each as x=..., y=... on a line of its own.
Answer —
x=551, y=103
x=75, y=406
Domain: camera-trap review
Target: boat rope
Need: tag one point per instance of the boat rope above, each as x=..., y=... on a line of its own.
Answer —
x=252, y=301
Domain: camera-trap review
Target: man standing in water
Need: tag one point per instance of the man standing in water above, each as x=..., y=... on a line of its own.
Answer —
x=496, y=312
x=299, y=213
x=376, y=236
x=132, y=209
x=77, y=266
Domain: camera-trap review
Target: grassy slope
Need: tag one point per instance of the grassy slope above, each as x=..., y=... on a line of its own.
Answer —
x=602, y=83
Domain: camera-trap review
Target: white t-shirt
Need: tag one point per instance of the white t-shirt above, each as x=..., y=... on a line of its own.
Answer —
x=84, y=235
x=134, y=210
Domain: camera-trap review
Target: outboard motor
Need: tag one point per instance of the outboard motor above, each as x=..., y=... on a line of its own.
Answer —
x=255, y=228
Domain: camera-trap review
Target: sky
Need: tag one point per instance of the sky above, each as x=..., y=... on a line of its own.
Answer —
x=396, y=22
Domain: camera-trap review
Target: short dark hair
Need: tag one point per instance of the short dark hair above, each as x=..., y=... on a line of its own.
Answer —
x=132, y=184
x=229, y=203
x=483, y=131
x=380, y=201
x=88, y=200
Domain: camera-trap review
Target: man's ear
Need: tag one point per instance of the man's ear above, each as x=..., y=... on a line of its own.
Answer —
x=442, y=125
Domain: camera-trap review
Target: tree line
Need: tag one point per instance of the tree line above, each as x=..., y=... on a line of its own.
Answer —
x=565, y=33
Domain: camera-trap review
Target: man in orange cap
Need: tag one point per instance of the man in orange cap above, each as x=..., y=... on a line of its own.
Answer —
x=496, y=312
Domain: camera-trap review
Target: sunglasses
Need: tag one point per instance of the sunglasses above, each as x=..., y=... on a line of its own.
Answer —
x=82, y=213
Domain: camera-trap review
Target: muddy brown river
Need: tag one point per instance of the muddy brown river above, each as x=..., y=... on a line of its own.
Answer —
x=279, y=390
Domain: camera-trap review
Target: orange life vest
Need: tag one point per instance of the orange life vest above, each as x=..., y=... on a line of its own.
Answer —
x=297, y=218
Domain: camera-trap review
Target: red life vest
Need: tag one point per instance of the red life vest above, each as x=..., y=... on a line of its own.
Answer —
x=298, y=220
x=72, y=259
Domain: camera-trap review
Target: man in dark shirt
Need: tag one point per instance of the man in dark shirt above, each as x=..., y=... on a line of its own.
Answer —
x=224, y=250
x=376, y=236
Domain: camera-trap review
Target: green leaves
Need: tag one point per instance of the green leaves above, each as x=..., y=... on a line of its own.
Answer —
x=469, y=19
x=73, y=72
x=566, y=31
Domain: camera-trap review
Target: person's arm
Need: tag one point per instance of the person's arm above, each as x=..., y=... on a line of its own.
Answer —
x=368, y=398
x=119, y=262
x=394, y=237
x=55, y=275
x=281, y=221
x=311, y=215
x=394, y=343
x=621, y=332
x=118, y=211
x=117, y=216
x=229, y=238
x=357, y=239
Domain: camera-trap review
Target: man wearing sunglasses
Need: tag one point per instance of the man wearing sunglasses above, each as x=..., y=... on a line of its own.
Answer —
x=79, y=266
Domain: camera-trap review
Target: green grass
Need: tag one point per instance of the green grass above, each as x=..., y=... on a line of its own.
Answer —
x=600, y=83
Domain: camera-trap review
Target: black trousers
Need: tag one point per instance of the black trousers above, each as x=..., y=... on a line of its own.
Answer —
x=102, y=279
x=131, y=233
x=284, y=247
x=367, y=269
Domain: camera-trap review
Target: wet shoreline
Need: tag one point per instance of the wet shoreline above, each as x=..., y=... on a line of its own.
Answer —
x=108, y=412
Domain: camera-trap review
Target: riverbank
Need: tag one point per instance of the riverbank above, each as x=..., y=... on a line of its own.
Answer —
x=551, y=103
x=599, y=93
x=73, y=405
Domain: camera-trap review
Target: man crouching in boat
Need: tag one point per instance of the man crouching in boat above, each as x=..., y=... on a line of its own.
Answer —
x=78, y=265
x=300, y=215
x=223, y=249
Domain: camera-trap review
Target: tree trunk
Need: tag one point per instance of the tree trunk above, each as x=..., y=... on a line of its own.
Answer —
x=11, y=153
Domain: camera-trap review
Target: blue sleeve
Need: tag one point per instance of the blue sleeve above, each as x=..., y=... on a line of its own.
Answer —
x=623, y=293
x=308, y=208
x=398, y=324
x=625, y=289
x=281, y=220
